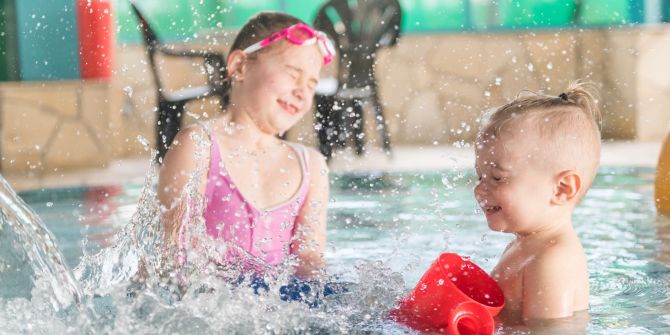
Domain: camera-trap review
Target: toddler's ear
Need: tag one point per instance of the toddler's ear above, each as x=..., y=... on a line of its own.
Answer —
x=567, y=188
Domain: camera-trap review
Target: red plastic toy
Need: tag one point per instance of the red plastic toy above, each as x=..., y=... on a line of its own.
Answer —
x=455, y=297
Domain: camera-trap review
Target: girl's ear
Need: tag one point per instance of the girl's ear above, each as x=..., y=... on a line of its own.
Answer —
x=236, y=65
x=567, y=188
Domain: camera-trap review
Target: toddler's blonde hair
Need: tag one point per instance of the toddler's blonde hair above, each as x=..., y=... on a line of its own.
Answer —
x=567, y=125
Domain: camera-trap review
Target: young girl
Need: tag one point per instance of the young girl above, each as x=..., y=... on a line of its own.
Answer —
x=264, y=198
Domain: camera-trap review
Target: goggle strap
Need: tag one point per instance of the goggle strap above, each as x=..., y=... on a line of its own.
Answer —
x=253, y=48
x=309, y=41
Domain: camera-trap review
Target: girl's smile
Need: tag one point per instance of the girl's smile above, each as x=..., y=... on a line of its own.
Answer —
x=288, y=107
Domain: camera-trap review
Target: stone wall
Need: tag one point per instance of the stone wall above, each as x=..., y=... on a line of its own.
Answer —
x=652, y=84
x=49, y=126
x=433, y=87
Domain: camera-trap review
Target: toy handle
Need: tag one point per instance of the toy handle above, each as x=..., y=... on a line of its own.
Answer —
x=470, y=318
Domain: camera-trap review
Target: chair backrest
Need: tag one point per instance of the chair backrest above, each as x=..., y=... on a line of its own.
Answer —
x=359, y=28
x=151, y=43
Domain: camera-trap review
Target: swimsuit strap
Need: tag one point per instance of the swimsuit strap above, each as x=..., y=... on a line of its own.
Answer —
x=304, y=163
x=216, y=162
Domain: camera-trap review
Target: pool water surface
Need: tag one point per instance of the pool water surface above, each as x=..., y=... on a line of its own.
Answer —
x=391, y=226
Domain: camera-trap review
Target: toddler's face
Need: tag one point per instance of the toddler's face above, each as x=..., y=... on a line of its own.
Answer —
x=514, y=189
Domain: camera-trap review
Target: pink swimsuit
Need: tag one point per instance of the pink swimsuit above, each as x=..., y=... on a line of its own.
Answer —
x=265, y=234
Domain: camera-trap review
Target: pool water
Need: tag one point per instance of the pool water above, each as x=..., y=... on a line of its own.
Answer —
x=384, y=230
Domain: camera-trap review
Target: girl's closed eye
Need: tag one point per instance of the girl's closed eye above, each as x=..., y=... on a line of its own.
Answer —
x=293, y=74
x=311, y=85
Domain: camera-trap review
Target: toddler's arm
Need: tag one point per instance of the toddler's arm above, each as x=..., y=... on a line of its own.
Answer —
x=549, y=285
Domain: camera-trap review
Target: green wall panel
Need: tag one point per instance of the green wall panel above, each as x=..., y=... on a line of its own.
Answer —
x=601, y=12
x=9, y=58
x=535, y=13
x=173, y=20
x=181, y=19
x=483, y=14
x=434, y=15
x=47, y=39
x=241, y=10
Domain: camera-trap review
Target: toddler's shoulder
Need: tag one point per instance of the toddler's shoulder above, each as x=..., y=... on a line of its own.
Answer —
x=556, y=258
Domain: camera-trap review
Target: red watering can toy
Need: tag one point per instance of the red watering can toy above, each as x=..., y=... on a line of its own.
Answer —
x=454, y=296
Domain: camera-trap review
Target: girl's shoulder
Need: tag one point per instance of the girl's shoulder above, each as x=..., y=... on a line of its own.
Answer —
x=189, y=140
x=313, y=158
x=193, y=132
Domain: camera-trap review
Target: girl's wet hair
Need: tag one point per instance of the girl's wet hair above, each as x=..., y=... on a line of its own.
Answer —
x=257, y=28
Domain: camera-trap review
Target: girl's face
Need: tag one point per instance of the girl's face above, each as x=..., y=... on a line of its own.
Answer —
x=514, y=191
x=276, y=88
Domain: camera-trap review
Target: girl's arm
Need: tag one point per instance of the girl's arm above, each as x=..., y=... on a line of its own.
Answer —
x=310, y=240
x=179, y=165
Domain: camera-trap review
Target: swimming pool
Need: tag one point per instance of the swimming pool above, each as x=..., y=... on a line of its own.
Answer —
x=384, y=231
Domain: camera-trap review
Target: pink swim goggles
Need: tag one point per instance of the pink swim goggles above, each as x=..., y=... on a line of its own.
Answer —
x=299, y=34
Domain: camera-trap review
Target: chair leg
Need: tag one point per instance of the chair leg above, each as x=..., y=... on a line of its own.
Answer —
x=168, y=125
x=323, y=124
x=340, y=123
x=359, y=127
x=344, y=122
x=381, y=121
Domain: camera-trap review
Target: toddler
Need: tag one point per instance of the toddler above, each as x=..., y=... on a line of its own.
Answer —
x=535, y=158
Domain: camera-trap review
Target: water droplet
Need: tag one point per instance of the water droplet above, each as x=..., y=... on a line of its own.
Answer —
x=145, y=143
x=447, y=183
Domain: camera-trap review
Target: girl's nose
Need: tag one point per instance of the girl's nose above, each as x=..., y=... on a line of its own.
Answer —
x=299, y=92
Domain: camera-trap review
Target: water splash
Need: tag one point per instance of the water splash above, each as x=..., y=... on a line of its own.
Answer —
x=134, y=286
x=28, y=251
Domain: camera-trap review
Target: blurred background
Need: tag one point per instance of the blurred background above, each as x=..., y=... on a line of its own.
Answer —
x=77, y=90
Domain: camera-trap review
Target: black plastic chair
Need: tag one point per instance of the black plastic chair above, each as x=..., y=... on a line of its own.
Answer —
x=171, y=104
x=359, y=29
